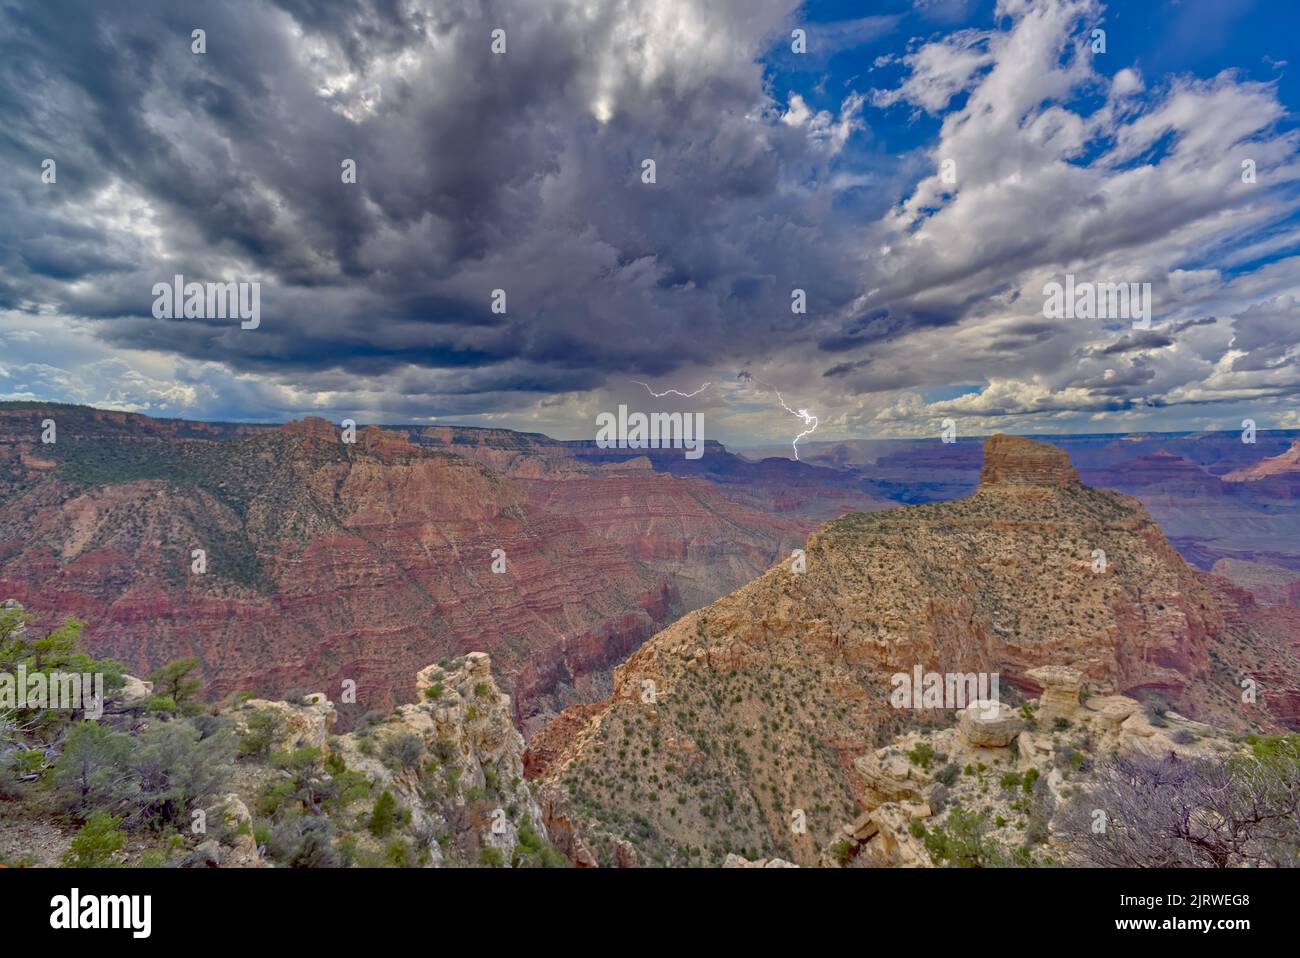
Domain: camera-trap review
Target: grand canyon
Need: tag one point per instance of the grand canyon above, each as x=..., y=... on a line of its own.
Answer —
x=547, y=457
x=754, y=596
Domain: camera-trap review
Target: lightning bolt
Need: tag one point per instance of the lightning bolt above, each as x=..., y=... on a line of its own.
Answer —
x=808, y=418
x=672, y=392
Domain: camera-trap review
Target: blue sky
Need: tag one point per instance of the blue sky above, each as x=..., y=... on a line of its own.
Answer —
x=776, y=171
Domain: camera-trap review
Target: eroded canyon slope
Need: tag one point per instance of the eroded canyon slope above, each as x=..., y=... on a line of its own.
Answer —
x=725, y=723
x=327, y=562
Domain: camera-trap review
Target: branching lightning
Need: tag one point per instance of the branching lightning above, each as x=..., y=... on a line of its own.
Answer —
x=808, y=418
x=672, y=392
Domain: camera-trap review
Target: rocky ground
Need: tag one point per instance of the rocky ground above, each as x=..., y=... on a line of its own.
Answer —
x=436, y=783
x=1013, y=768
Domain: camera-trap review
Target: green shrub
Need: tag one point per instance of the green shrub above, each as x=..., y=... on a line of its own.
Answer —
x=91, y=770
x=274, y=796
x=178, y=685
x=397, y=854
x=534, y=851
x=962, y=842
x=922, y=754
x=384, y=817
x=402, y=751
x=177, y=767
x=96, y=843
x=843, y=852
x=263, y=726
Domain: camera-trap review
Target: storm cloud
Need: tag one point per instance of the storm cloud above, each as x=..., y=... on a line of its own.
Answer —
x=522, y=171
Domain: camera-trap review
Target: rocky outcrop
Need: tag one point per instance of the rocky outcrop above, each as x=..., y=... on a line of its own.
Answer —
x=766, y=698
x=450, y=765
x=1015, y=776
x=989, y=724
x=888, y=775
x=888, y=842
x=1013, y=460
x=135, y=689
x=239, y=848
x=454, y=759
x=1060, y=691
x=304, y=724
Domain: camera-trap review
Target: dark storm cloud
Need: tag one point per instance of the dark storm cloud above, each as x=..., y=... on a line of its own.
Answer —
x=1191, y=323
x=1130, y=342
x=1118, y=383
x=521, y=172
x=883, y=323
x=475, y=172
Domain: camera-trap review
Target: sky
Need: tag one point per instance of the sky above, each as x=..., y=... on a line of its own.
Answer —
x=920, y=171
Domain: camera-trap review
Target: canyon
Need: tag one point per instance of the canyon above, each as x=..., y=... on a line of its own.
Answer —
x=763, y=701
x=329, y=562
x=685, y=688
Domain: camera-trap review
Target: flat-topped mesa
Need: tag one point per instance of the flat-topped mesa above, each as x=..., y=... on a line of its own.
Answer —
x=312, y=427
x=1013, y=460
x=375, y=440
x=385, y=443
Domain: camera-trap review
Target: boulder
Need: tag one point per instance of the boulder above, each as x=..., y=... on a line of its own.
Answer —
x=135, y=689
x=989, y=724
x=1112, y=710
x=1036, y=749
x=894, y=845
x=479, y=665
x=1060, y=698
x=863, y=828
x=206, y=855
x=241, y=849
x=889, y=776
